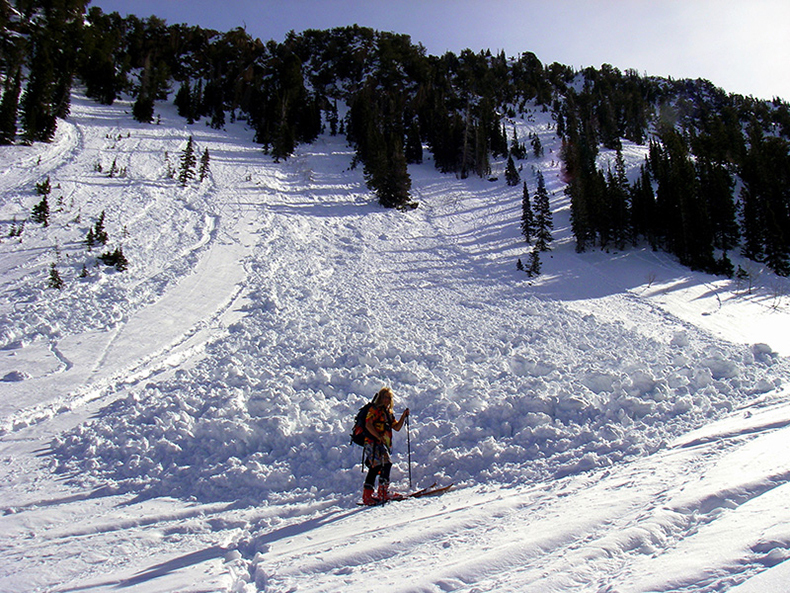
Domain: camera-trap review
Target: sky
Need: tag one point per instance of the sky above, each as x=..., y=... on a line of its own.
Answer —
x=742, y=46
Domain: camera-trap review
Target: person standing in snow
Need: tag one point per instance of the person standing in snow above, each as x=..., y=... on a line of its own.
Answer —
x=380, y=423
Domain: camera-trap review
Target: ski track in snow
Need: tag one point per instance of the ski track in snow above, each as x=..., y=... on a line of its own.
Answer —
x=183, y=425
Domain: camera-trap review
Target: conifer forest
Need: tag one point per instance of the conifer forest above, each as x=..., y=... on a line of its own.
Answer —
x=717, y=177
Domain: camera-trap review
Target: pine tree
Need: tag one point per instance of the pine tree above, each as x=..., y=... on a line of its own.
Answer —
x=43, y=188
x=55, y=281
x=143, y=109
x=204, y=165
x=621, y=208
x=40, y=213
x=9, y=107
x=99, y=235
x=643, y=205
x=121, y=263
x=413, y=145
x=517, y=150
x=579, y=152
x=379, y=144
x=543, y=220
x=214, y=105
x=537, y=147
x=534, y=262
x=512, y=177
x=39, y=113
x=183, y=101
x=16, y=231
x=115, y=258
x=527, y=217
x=715, y=186
x=188, y=162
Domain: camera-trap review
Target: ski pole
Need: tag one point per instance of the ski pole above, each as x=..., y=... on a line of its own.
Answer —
x=408, y=447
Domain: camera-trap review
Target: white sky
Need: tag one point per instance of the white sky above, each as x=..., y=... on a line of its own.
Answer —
x=742, y=46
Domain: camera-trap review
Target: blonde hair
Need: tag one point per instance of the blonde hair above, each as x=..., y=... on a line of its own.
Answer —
x=382, y=392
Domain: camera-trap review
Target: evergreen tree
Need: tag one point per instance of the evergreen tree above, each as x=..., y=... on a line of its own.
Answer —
x=188, y=162
x=204, y=165
x=534, y=261
x=16, y=231
x=98, y=234
x=517, y=150
x=183, y=102
x=43, y=188
x=643, y=205
x=413, y=145
x=52, y=32
x=143, y=108
x=683, y=218
x=40, y=213
x=579, y=152
x=377, y=132
x=154, y=81
x=214, y=105
x=116, y=259
x=101, y=47
x=766, y=201
x=333, y=120
x=121, y=263
x=537, y=146
x=622, y=199
x=9, y=107
x=715, y=187
x=527, y=217
x=543, y=218
x=55, y=281
x=39, y=113
x=512, y=177
x=617, y=207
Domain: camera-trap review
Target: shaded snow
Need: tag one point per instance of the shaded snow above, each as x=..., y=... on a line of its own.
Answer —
x=617, y=424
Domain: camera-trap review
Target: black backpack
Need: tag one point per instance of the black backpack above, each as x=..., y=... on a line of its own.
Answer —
x=359, y=432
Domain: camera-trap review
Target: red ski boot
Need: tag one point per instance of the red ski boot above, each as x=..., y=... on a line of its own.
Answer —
x=385, y=493
x=368, y=498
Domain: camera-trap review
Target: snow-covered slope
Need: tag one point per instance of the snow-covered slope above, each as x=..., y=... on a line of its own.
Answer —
x=617, y=424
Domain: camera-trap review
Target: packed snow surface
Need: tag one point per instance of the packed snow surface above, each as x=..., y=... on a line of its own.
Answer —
x=617, y=424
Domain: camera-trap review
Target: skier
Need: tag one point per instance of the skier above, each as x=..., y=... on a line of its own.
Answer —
x=380, y=423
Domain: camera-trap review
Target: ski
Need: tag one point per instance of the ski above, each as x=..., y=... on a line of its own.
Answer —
x=418, y=493
x=431, y=490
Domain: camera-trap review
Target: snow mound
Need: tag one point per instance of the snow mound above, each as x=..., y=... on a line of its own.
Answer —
x=561, y=393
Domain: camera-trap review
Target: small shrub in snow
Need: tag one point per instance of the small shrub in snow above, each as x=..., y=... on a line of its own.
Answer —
x=16, y=230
